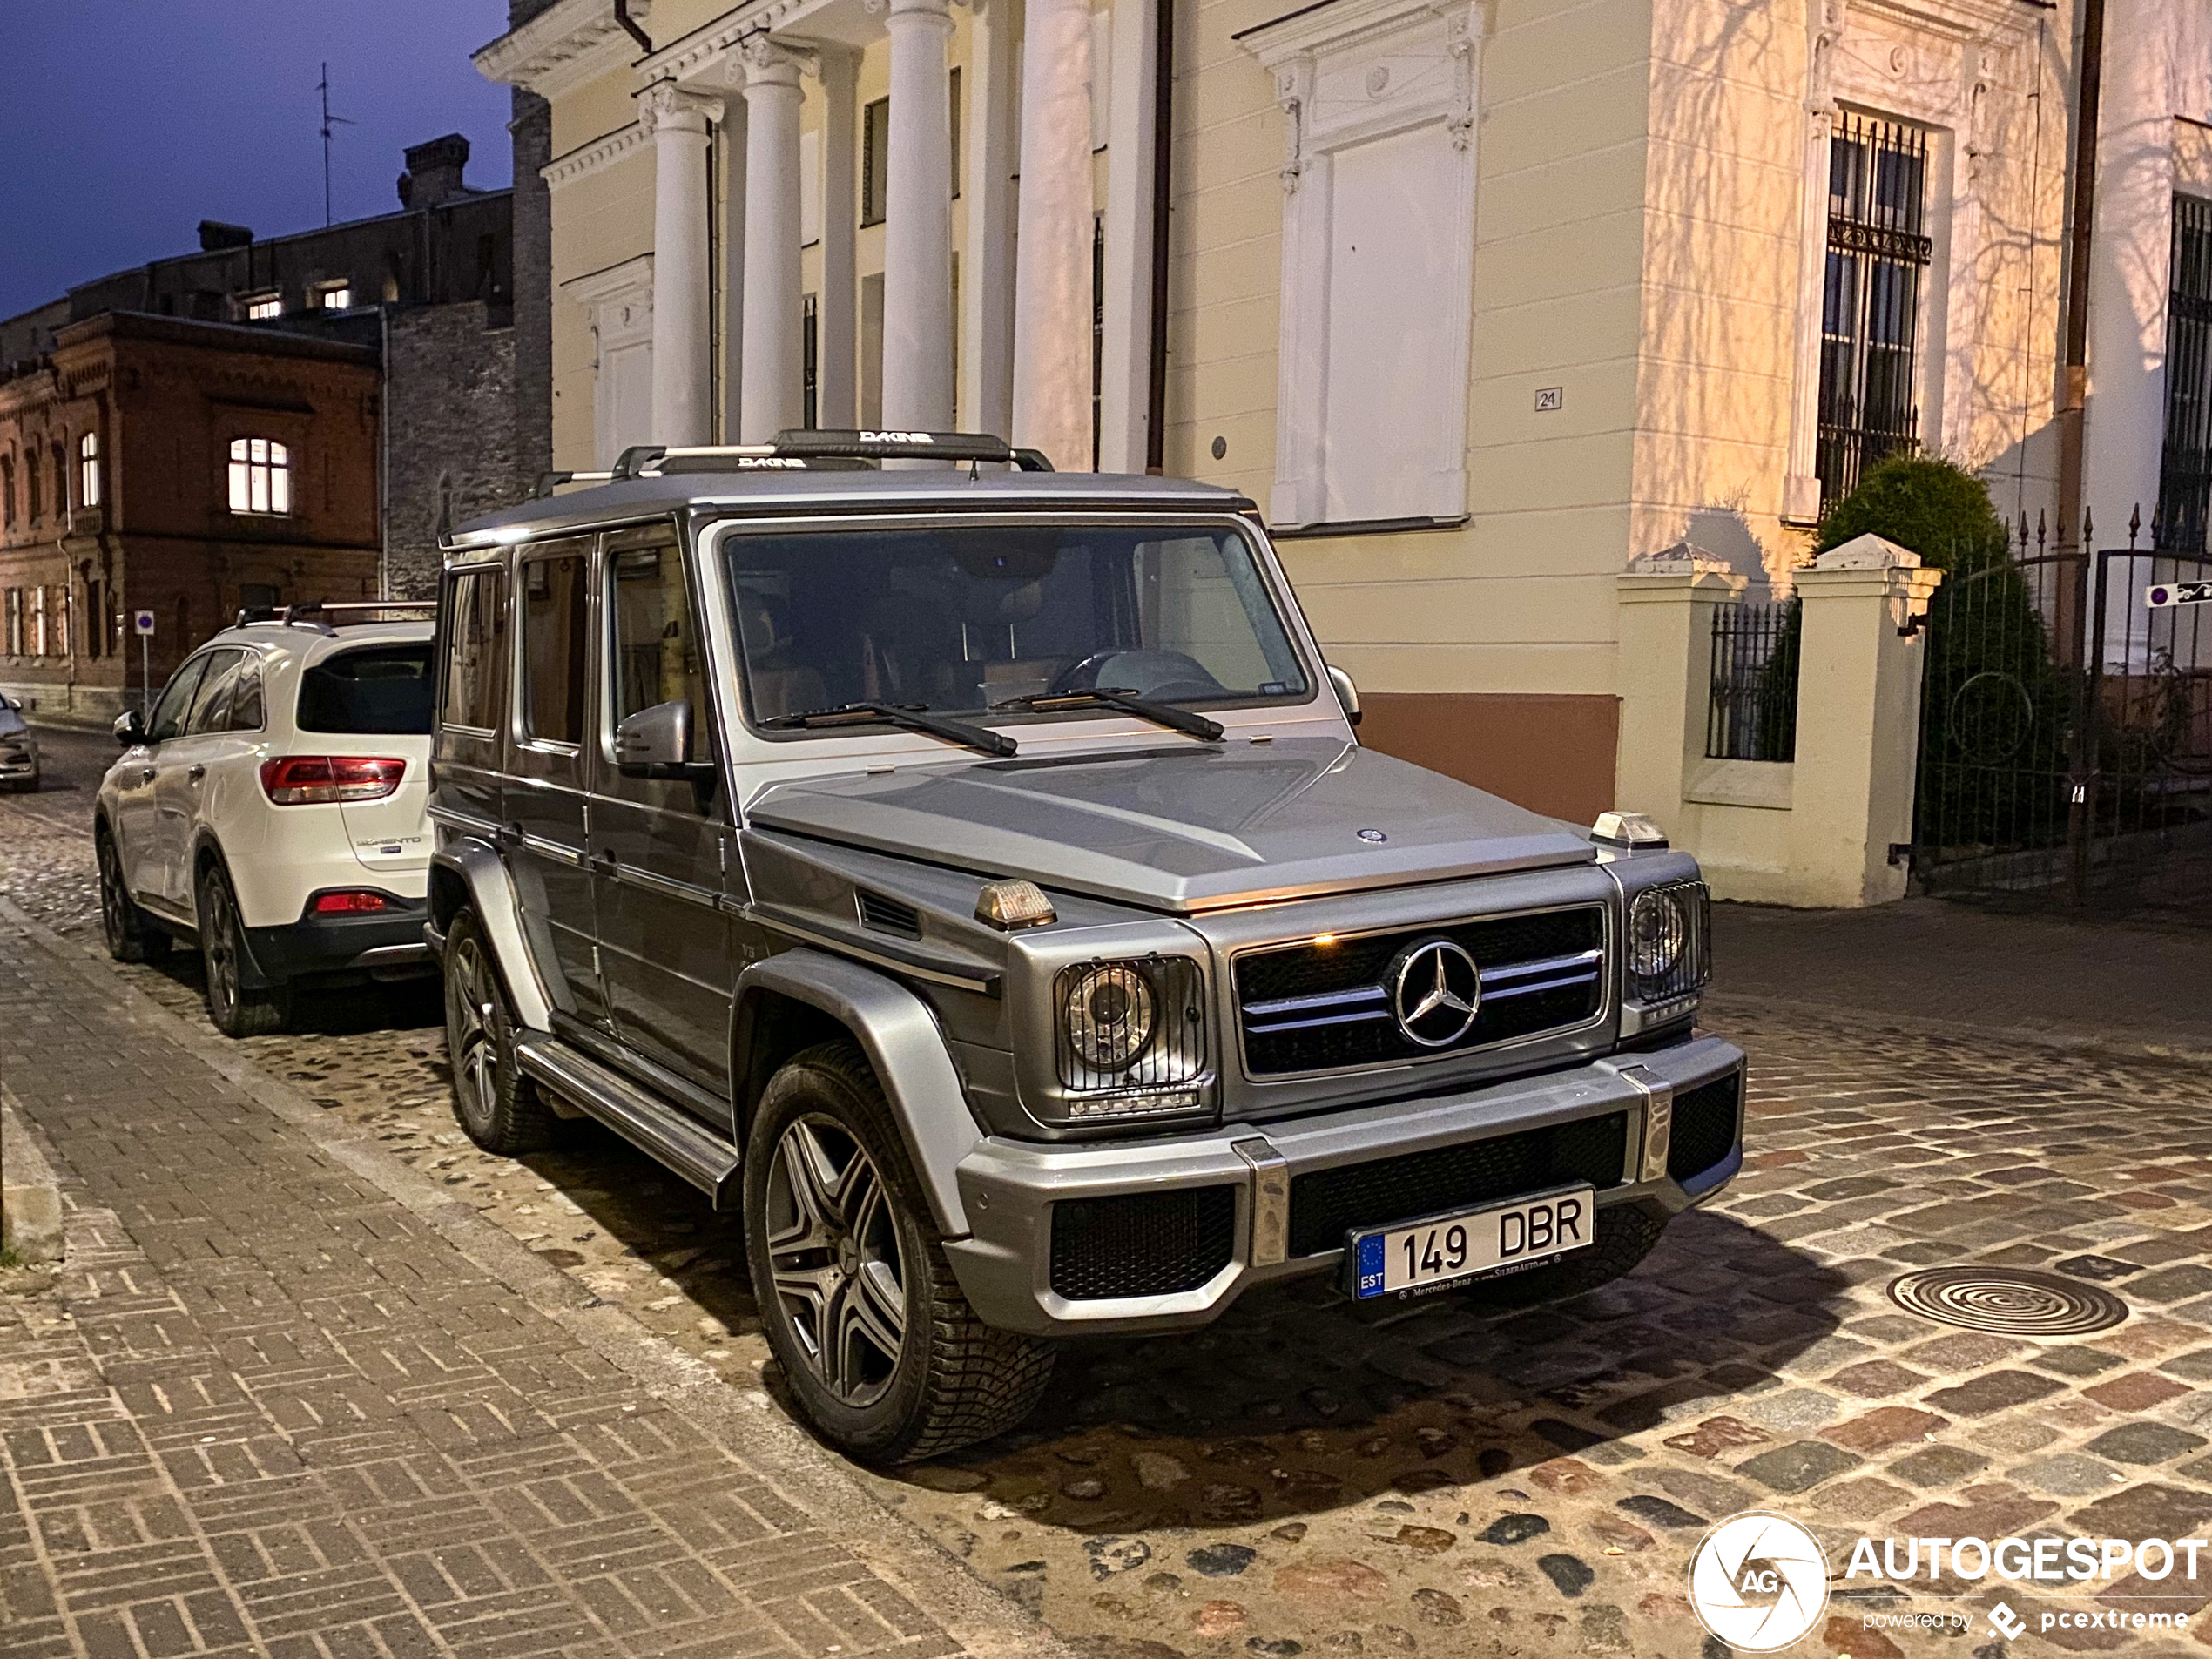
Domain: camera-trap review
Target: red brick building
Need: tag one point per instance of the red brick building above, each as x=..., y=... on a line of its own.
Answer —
x=186, y=467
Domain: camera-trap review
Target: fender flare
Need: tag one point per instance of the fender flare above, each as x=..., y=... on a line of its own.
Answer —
x=898, y=1035
x=483, y=877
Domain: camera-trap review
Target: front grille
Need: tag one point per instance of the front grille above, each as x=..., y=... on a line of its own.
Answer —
x=1318, y=1007
x=1704, y=1126
x=1327, y=1203
x=1142, y=1244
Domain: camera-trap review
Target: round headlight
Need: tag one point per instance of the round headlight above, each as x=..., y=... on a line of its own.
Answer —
x=1658, y=931
x=1109, y=1016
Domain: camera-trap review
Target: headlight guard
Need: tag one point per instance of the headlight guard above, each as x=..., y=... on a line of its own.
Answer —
x=1130, y=1026
x=1667, y=950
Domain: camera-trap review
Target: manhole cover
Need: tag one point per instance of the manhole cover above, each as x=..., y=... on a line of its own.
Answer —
x=2016, y=1302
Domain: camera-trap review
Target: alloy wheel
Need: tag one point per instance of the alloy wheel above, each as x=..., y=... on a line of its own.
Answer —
x=835, y=1258
x=218, y=944
x=472, y=1035
x=115, y=919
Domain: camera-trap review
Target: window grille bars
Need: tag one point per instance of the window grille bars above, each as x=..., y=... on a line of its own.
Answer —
x=2185, y=463
x=1753, y=712
x=1869, y=326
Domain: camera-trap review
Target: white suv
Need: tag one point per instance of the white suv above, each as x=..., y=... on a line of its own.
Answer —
x=272, y=808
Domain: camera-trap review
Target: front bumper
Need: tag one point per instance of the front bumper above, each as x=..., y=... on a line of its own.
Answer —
x=386, y=942
x=1009, y=1188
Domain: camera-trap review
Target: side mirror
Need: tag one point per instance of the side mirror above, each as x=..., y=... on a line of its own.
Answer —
x=130, y=731
x=1347, y=693
x=657, y=743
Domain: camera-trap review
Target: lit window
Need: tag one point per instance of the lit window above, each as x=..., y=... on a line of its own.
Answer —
x=88, y=469
x=263, y=307
x=260, y=476
x=340, y=298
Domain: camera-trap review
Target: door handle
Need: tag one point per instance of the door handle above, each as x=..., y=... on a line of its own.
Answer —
x=603, y=862
x=145, y=774
x=508, y=837
x=195, y=772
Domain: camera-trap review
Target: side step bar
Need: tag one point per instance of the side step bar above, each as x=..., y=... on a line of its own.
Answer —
x=659, y=1131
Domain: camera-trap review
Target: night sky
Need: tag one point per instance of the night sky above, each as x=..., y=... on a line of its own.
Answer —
x=125, y=123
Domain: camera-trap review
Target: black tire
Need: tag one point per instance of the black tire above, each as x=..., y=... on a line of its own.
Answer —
x=1626, y=1234
x=130, y=936
x=953, y=1379
x=497, y=1107
x=237, y=1008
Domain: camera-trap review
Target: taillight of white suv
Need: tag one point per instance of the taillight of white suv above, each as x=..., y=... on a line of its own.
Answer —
x=301, y=781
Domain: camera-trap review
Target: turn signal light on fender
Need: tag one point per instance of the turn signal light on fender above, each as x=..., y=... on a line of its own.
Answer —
x=301, y=781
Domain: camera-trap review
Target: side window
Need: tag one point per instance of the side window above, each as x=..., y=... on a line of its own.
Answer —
x=247, y=713
x=553, y=670
x=211, y=704
x=657, y=656
x=475, y=624
x=176, y=698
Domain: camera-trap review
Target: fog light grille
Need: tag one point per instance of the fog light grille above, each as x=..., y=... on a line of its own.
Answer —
x=1142, y=1244
x=1704, y=1131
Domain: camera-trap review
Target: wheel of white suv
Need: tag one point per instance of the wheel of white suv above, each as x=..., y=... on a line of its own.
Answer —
x=885, y=1358
x=237, y=1009
x=499, y=1107
x=129, y=936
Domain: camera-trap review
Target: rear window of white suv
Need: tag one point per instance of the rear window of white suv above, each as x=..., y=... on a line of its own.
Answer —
x=377, y=691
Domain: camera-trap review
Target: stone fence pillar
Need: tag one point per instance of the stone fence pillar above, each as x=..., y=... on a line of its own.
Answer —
x=1813, y=831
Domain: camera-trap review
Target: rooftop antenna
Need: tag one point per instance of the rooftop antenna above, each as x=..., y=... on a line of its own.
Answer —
x=330, y=125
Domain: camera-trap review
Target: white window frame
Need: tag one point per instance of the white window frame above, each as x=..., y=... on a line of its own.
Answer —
x=260, y=478
x=88, y=469
x=335, y=296
x=1346, y=74
x=260, y=307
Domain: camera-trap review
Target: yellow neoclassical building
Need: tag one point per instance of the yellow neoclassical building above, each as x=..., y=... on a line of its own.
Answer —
x=1477, y=301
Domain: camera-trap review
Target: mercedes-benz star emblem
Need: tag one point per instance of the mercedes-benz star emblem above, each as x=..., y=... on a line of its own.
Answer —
x=1434, y=991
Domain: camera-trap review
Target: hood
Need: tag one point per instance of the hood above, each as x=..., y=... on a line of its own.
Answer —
x=1185, y=829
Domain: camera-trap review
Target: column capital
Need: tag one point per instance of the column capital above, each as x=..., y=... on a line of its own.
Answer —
x=922, y=11
x=666, y=105
x=770, y=62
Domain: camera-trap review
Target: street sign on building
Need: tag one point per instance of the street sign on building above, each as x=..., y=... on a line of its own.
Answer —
x=2160, y=595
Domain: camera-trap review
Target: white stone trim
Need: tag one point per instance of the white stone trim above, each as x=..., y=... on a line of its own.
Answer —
x=561, y=47
x=1346, y=72
x=588, y=158
x=619, y=301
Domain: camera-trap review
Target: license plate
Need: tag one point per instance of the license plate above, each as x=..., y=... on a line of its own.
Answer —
x=1443, y=1250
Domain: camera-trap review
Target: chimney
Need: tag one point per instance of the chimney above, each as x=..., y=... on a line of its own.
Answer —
x=434, y=170
x=215, y=235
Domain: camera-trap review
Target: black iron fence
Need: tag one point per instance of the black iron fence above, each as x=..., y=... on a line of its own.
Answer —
x=1753, y=712
x=2065, y=733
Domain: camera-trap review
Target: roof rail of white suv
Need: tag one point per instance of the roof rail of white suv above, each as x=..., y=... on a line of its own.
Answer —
x=329, y=618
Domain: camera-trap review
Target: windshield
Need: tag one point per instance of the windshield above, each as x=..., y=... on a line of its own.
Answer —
x=963, y=620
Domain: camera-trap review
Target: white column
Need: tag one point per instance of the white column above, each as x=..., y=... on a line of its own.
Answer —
x=683, y=383
x=1801, y=477
x=918, y=232
x=1126, y=348
x=986, y=287
x=771, y=397
x=732, y=182
x=837, y=316
x=1052, y=254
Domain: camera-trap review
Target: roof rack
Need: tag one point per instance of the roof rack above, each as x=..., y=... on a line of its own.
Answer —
x=327, y=618
x=797, y=450
x=549, y=482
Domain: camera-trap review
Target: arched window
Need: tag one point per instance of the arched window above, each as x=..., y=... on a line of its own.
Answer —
x=260, y=476
x=7, y=492
x=88, y=469
x=30, y=484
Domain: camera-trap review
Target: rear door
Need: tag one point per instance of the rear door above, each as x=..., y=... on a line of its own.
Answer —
x=181, y=772
x=374, y=700
x=547, y=802
x=468, y=748
x=660, y=846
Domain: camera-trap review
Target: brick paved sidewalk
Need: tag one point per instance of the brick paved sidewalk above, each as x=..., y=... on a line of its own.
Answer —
x=302, y=1403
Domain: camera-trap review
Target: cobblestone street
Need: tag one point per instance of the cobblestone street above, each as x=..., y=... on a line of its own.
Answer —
x=1437, y=1478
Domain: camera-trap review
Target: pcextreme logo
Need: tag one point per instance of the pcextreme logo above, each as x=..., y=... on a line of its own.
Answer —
x=1758, y=1582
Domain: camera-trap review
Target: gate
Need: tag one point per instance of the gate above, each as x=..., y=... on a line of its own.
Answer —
x=2066, y=735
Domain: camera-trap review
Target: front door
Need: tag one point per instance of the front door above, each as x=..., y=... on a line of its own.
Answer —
x=179, y=775
x=660, y=846
x=138, y=832
x=547, y=801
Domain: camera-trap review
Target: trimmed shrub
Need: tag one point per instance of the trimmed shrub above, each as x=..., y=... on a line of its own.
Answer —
x=1931, y=506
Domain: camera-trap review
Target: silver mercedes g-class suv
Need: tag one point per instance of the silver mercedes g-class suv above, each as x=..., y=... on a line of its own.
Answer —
x=970, y=872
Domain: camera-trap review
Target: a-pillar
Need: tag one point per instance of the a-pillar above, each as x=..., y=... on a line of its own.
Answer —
x=1053, y=239
x=683, y=373
x=771, y=367
x=837, y=359
x=918, y=234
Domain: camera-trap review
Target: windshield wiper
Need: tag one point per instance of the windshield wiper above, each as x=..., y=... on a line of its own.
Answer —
x=908, y=717
x=1107, y=697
